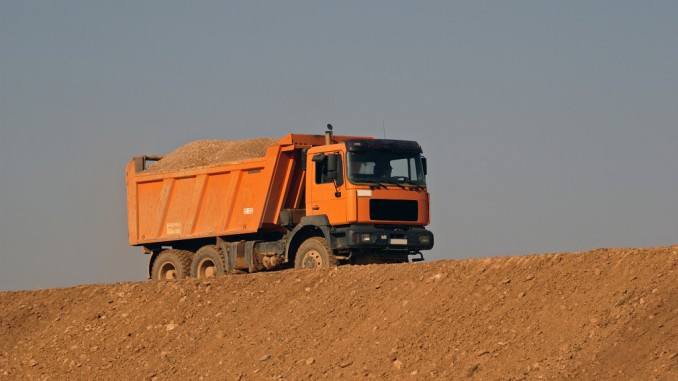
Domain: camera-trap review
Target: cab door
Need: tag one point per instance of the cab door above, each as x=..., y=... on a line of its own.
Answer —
x=325, y=195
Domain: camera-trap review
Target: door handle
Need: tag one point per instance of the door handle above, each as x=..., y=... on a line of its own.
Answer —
x=315, y=207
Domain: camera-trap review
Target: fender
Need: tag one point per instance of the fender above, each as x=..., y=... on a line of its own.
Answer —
x=320, y=221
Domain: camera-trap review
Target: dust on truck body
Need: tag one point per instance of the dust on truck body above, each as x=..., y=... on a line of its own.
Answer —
x=312, y=201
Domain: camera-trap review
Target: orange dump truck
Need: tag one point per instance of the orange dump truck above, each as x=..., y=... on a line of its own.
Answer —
x=312, y=201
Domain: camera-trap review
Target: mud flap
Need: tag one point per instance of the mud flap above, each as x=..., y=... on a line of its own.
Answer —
x=233, y=255
x=417, y=259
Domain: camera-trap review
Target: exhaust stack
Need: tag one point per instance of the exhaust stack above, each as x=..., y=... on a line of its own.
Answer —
x=328, y=135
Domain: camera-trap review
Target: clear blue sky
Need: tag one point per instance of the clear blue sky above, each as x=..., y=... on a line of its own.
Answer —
x=549, y=126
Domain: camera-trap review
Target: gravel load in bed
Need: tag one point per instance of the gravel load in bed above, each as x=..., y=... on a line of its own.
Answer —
x=206, y=152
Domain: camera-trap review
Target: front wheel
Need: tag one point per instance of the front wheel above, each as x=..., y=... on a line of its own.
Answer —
x=314, y=254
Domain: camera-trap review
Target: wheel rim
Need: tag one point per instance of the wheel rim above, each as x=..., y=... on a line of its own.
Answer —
x=168, y=271
x=312, y=260
x=206, y=268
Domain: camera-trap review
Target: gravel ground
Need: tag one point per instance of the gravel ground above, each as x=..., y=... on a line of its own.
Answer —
x=600, y=315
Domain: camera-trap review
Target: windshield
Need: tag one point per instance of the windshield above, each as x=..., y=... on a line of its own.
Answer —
x=379, y=166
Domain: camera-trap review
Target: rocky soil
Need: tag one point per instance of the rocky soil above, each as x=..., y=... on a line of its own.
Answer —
x=599, y=315
x=206, y=152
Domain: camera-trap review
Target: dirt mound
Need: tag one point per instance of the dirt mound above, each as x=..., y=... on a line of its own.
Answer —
x=605, y=314
x=206, y=152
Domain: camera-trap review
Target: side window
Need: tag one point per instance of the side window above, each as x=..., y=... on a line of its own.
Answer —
x=321, y=172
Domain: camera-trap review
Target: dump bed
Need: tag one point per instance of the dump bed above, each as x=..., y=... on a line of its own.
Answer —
x=217, y=200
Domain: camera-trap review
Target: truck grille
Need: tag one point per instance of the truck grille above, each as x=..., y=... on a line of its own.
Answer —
x=394, y=210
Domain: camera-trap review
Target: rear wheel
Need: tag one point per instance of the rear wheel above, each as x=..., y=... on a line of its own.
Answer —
x=172, y=264
x=208, y=262
x=314, y=254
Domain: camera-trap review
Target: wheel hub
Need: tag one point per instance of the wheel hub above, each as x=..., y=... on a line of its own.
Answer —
x=312, y=260
x=206, y=268
x=168, y=272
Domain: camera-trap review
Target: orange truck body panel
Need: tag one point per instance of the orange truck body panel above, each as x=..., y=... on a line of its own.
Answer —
x=226, y=199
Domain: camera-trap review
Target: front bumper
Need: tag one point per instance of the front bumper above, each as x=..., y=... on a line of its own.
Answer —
x=370, y=237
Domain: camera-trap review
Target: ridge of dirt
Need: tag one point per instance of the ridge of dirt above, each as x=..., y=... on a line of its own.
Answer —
x=599, y=315
x=206, y=152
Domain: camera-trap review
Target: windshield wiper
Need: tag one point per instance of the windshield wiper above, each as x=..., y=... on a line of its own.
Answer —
x=405, y=180
x=395, y=183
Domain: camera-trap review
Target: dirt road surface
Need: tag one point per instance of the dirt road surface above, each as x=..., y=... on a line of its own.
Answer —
x=599, y=315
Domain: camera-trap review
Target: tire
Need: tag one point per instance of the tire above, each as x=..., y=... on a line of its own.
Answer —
x=314, y=254
x=208, y=262
x=172, y=264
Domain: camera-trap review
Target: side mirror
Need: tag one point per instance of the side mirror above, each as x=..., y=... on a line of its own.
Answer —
x=423, y=163
x=332, y=167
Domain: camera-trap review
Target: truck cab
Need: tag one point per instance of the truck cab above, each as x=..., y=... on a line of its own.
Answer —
x=371, y=195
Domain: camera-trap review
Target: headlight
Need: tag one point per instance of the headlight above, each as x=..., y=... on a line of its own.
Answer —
x=365, y=237
x=425, y=239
